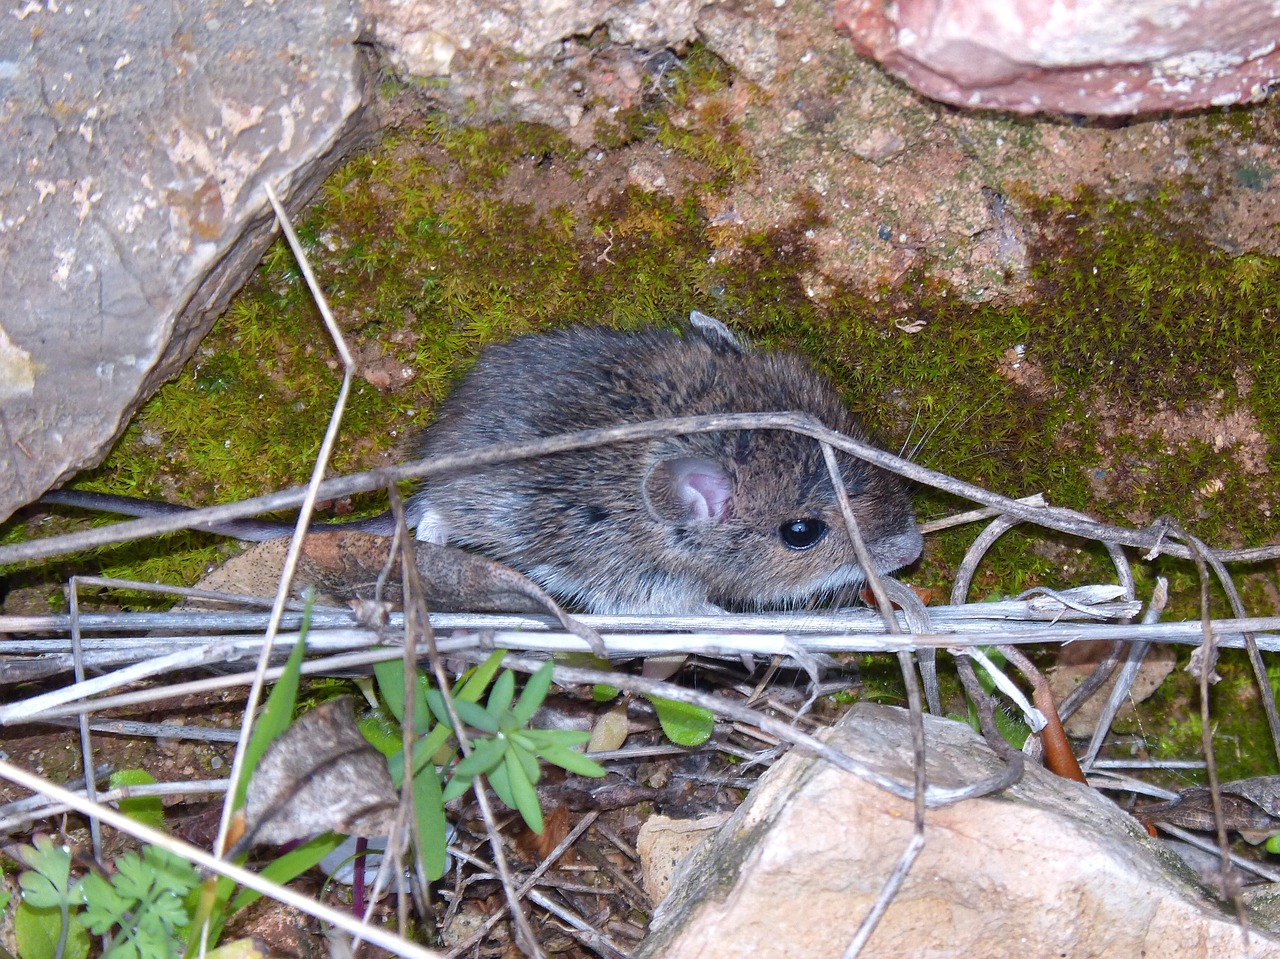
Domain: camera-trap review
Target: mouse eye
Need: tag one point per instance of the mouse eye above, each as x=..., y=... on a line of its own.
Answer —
x=802, y=533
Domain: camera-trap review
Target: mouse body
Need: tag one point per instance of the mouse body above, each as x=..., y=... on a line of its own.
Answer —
x=683, y=524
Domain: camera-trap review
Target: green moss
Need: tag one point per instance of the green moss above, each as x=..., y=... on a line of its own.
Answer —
x=690, y=109
x=1170, y=728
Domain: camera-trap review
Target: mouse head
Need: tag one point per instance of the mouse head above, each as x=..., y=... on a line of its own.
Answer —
x=754, y=516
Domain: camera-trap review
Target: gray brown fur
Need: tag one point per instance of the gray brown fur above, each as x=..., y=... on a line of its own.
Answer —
x=580, y=523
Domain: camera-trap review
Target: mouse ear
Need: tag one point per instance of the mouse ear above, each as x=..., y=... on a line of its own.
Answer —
x=688, y=489
x=713, y=331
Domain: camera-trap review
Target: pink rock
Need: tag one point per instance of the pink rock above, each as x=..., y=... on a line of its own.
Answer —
x=1111, y=57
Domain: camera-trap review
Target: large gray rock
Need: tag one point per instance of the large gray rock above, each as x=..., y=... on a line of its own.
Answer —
x=138, y=137
x=1046, y=868
x=1111, y=57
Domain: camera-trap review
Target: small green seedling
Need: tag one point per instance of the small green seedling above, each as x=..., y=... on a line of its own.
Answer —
x=42, y=923
x=142, y=909
x=508, y=755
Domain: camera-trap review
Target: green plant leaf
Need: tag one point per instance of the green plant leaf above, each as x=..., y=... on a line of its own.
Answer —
x=36, y=933
x=470, y=713
x=528, y=762
x=47, y=883
x=209, y=907
x=383, y=734
x=390, y=677
x=290, y=866
x=431, y=829
x=571, y=760
x=602, y=693
x=501, y=783
x=504, y=690
x=163, y=915
x=479, y=678
x=172, y=873
x=535, y=691
x=555, y=737
x=103, y=906
x=476, y=716
x=683, y=724
x=425, y=752
x=133, y=879
x=485, y=754
x=525, y=796
x=148, y=810
x=278, y=711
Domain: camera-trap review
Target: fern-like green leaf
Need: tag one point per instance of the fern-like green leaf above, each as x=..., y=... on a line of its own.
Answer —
x=45, y=884
x=104, y=908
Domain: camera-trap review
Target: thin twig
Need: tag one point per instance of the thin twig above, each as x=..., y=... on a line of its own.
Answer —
x=86, y=742
x=310, y=498
x=1202, y=666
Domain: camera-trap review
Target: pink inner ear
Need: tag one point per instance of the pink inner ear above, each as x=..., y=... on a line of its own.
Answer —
x=705, y=491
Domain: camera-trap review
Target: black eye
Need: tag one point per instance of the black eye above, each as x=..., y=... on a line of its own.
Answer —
x=802, y=533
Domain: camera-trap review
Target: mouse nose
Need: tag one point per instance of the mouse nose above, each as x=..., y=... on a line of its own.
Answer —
x=898, y=550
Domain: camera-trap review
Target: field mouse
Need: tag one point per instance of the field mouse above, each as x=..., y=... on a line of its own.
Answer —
x=682, y=524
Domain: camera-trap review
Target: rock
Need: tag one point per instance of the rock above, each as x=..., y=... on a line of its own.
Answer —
x=1047, y=868
x=664, y=842
x=1094, y=57
x=538, y=61
x=745, y=39
x=545, y=61
x=131, y=201
x=424, y=36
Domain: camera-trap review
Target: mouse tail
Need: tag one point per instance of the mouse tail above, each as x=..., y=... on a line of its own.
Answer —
x=253, y=530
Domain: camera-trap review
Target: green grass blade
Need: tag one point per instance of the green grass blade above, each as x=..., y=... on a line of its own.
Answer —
x=278, y=711
x=429, y=822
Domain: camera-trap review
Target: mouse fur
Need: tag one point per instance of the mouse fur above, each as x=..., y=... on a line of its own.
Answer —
x=678, y=524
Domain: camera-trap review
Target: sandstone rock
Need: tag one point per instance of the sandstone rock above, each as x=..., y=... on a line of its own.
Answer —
x=1047, y=868
x=745, y=39
x=541, y=62
x=1108, y=57
x=664, y=842
x=131, y=201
